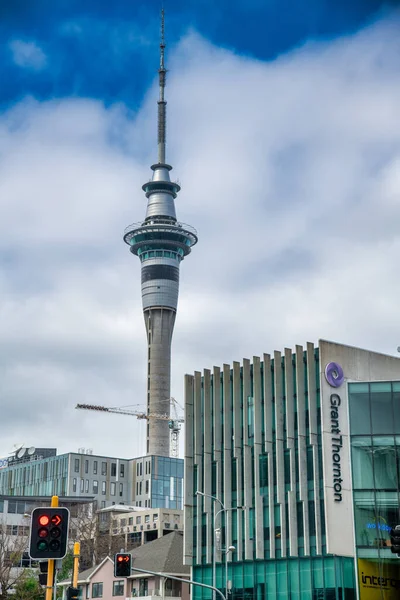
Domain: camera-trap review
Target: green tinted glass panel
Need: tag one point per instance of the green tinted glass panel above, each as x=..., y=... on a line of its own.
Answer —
x=358, y=388
x=360, y=420
x=362, y=462
x=385, y=467
x=381, y=410
x=396, y=411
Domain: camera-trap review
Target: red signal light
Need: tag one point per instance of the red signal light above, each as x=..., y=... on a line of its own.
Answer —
x=122, y=564
x=43, y=532
x=44, y=520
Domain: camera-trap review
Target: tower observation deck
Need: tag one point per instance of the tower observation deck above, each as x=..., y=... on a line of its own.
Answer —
x=161, y=243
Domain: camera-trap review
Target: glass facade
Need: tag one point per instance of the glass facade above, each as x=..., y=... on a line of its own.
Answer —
x=273, y=450
x=166, y=482
x=375, y=455
x=323, y=578
x=45, y=477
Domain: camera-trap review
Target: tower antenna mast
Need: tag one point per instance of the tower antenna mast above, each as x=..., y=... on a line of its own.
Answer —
x=162, y=104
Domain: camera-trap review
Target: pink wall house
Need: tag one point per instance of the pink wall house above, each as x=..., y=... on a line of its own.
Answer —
x=99, y=582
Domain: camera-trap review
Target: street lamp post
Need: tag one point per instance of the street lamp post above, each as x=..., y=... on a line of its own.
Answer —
x=227, y=550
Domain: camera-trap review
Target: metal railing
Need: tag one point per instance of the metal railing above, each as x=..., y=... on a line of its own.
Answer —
x=165, y=225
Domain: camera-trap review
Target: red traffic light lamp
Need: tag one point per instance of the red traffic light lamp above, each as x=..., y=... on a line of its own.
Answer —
x=49, y=533
x=122, y=564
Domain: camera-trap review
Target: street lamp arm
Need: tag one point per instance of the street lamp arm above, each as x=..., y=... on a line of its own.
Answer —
x=181, y=579
x=198, y=493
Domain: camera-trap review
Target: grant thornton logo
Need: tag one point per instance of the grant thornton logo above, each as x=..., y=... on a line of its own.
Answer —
x=334, y=374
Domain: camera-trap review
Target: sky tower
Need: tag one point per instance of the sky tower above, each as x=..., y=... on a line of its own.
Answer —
x=161, y=243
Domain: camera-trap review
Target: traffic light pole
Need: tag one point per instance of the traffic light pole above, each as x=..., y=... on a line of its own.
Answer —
x=188, y=581
x=50, y=572
x=77, y=550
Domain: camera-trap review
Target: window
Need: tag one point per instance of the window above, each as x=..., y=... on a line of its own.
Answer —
x=137, y=468
x=1, y=506
x=112, y=488
x=103, y=504
x=140, y=488
x=141, y=468
x=118, y=588
x=147, y=519
x=147, y=486
x=130, y=522
x=143, y=587
x=104, y=468
x=87, y=486
x=77, y=465
x=155, y=517
x=103, y=488
x=95, y=486
x=95, y=467
x=74, y=484
x=121, y=489
x=86, y=466
x=82, y=485
x=97, y=590
x=113, y=469
x=138, y=520
x=122, y=470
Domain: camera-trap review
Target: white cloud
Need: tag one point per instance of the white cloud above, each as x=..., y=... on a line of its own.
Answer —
x=290, y=172
x=28, y=55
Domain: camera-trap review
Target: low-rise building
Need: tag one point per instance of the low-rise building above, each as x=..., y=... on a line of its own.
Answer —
x=98, y=582
x=147, y=481
x=163, y=555
x=139, y=525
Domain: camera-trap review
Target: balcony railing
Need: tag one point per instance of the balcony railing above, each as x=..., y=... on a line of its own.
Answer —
x=160, y=225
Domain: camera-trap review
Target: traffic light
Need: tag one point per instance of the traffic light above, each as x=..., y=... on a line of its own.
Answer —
x=72, y=593
x=122, y=565
x=395, y=540
x=49, y=533
x=43, y=568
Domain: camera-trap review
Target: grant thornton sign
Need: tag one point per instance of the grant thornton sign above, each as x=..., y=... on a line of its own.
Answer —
x=335, y=377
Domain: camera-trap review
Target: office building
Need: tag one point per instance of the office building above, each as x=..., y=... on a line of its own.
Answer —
x=300, y=453
x=148, y=481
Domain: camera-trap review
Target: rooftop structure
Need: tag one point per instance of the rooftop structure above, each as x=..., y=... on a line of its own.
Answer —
x=161, y=242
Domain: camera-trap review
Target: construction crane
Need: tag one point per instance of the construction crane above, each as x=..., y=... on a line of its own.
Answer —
x=174, y=421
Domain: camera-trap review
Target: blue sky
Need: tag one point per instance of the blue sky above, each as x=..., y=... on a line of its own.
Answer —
x=107, y=50
x=283, y=130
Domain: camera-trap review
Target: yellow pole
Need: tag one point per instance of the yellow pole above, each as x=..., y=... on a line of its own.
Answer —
x=50, y=572
x=77, y=549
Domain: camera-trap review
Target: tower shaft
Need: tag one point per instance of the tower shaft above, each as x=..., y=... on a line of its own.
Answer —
x=159, y=327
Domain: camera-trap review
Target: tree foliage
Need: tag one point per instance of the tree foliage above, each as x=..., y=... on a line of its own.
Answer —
x=12, y=549
x=27, y=587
